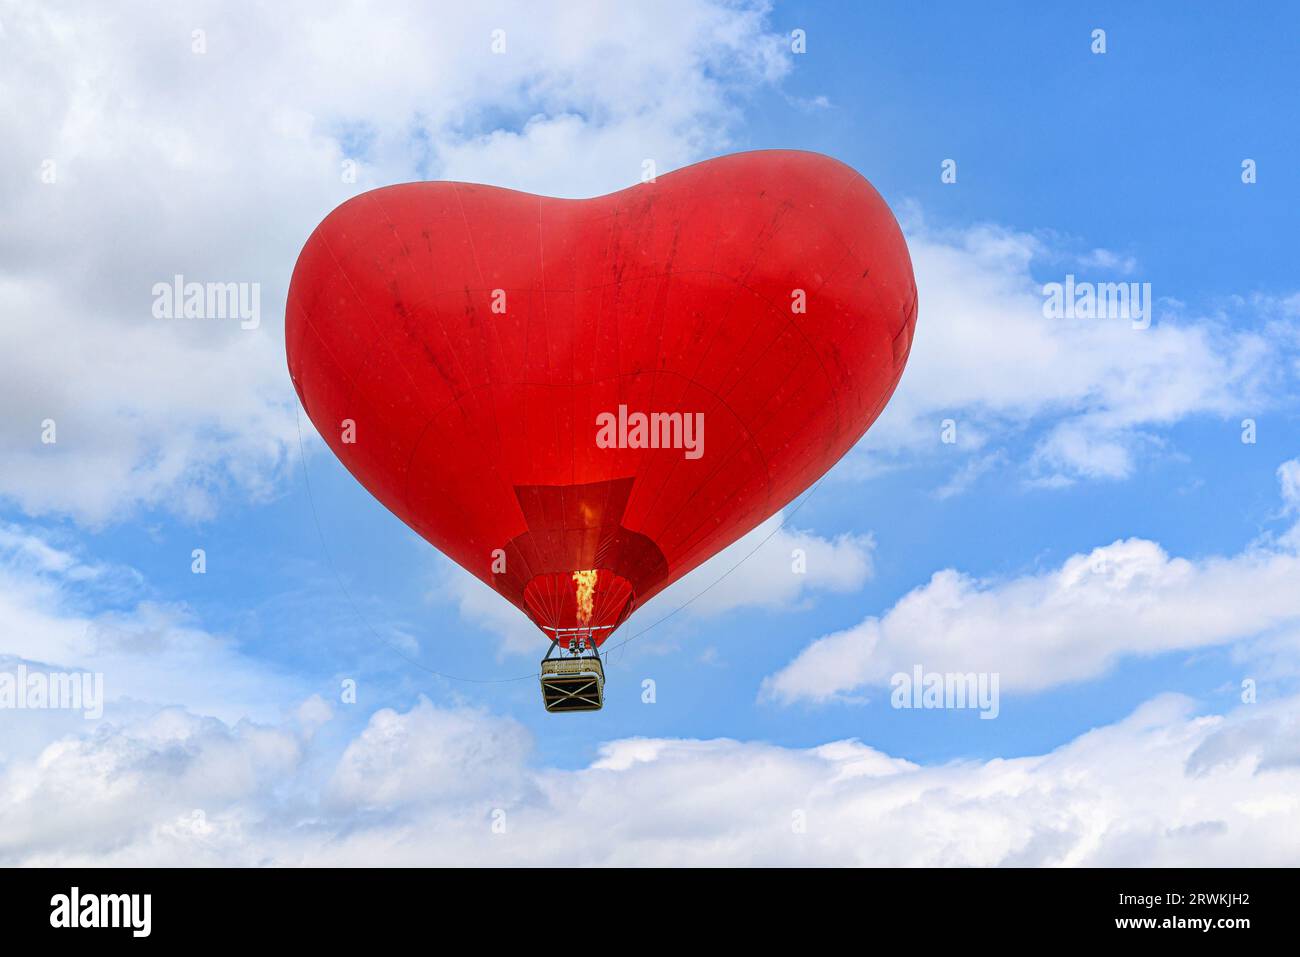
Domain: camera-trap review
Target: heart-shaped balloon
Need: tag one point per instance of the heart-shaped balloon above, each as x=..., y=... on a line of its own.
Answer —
x=579, y=401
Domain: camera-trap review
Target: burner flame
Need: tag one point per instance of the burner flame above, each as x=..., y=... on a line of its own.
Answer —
x=586, y=583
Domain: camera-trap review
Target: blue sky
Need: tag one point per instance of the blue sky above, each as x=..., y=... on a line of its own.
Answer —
x=1080, y=445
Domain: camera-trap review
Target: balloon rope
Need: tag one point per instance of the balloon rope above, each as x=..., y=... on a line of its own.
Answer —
x=311, y=499
x=784, y=521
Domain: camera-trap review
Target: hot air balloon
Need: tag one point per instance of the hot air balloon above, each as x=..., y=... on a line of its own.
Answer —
x=579, y=401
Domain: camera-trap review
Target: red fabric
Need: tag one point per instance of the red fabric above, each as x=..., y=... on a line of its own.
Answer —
x=479, y=428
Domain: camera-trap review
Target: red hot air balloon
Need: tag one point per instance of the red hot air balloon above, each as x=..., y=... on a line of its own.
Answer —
x=579, y=401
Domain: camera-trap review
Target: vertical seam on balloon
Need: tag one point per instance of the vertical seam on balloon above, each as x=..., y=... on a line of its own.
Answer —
x=378, y=337
x=740, y=281
x=595, y=377
x=375, y=342
x=378, y=341
x=459, y=399
x=486, y=325
x=739, y=284
x=456, y=399
x=665, y=280
x=546, y=325
x=469, y=237
x=508, y=481
x=310, y=325
x=749, y=439
x=692, y=380
x=294, y=361
x=616, y=290
x=295, y=347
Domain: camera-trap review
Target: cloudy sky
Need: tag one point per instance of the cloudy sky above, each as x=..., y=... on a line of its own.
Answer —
x=1105, y=517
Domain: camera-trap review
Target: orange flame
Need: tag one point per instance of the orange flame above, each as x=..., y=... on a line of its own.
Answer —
x=586, y=582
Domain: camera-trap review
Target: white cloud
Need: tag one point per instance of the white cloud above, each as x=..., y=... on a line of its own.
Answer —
x=164, y=785
x=985, y=356
x=179, y=413
x=60, y=612
x=759, y=571
x=477, y=603
x=1109, y=261
x=1162, y=787
x=1065, y=624
x=1288, y=474
x=216, y=166
x=970, y=473
x=86, y=795
x=429, y=754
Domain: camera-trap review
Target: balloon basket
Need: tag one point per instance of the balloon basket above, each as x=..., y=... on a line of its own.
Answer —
x=573, y=684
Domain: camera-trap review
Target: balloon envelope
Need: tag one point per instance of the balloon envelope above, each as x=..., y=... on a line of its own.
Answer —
x=579, y=401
